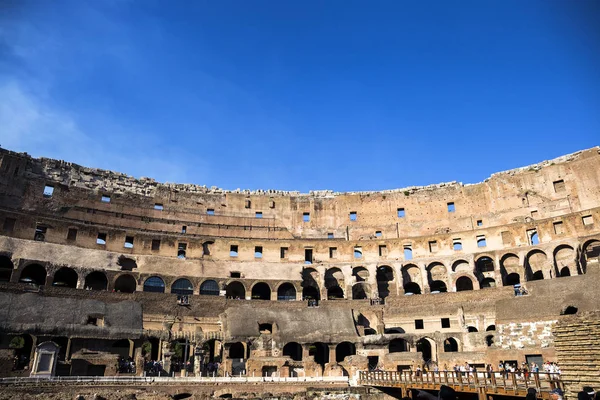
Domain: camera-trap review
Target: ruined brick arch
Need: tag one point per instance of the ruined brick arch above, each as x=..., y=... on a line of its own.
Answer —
x=462, y=265
x=33, y=273
x=511, y=270
x=310, y=284
x=96, y=280
x=260, y=291
x=412, y=279
x=125, y=283
x=385, y=275
x=565, y=261
x=361, y=291
x=209, y=287
x=590, y=253
x=293, y=350
x=536, y=265
x=428, y=348
x=286, y=291
x=343, y=350
x=361, y=274
x=154, y=284
x=437, y=277
x=66, y=277
x=461, y=284
x=235, y=289
x=182, y=286
x=334, y=277
x=451, y=345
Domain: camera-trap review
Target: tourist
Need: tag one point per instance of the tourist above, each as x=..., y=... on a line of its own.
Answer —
x=531, y=394
x=556, y=394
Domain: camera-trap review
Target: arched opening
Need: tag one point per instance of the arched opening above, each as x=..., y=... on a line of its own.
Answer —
x=361, y=274
x=154, y=284
x=489, y=340
x=310, y=293
x=471, y=329
x=564, y=260
x=397, y=346
x=450, y=345
x=344, y=350
x=209, y=288
x=6, y=268
x=461, y=266
x=394, y=330
x=359, y=291
x=464, y=283
x=320, y=352
x=261, y=291
x=590, y=253
x=126, y=263
x=33, y=274
x=569, y=310
x=96, y=281
x=286, y=292
x=335, y=293
x=512, y=279
x=125, y=284
x=121, y=347
x=293, y=350
x=484, y=264
x=236, y=350
x=334, y=278
x=213, y=348
x=488, y=283
x=384, y=275
x=65, y=277
x=235, y=290
x=424, y=347
x=535, y=263
x=182, y=287
x=370, y=331
x=490, y=328
x=206, y=247
x=565, y=271
x=438, y=287
x=412, y=288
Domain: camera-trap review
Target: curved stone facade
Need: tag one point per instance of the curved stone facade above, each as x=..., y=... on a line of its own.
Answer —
x=317, y=283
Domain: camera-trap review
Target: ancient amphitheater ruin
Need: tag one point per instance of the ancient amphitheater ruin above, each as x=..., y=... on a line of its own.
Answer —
x=102, y=274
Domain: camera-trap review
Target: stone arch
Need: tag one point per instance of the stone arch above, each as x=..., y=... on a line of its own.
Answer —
x=489, y=340
x=293, y=350
x=237, y=350
x=125, y=283
x=154, y=284
x=310, y=285
x=209, y=287
x=343, y=350
x=96, y=280
x=510, y=269
x=361, y=274
x=384, y=275
x=320, y=353
x=334, y=277
x=334, y=293
x=286, y=292
x=472, y=329
x=437, y=276
x=488, y=283
x=411, y=278
x=490, y=328
x=182, y=287
x=235, y=290
x=461, y=266
x=397, y=345
x=65, y=277
x=590, y=254
x=428, y=349
x=34, y=274
x=6, y=268
x=450, y=345
x=464, y=283
x=360, y=291
x=536, y=263
x=565, y=260
x=484, y=263
x=260, y=291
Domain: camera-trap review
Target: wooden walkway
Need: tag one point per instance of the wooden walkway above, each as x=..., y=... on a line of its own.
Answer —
x=482, y=383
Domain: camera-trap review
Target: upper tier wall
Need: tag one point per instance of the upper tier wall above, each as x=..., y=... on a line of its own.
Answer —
x=553, y=188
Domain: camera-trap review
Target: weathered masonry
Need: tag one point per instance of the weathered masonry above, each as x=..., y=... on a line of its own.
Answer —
x=97, y=266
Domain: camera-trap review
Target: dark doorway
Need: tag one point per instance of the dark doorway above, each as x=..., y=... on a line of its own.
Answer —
x=125, y=284
x=424, y=347
x=344, y=350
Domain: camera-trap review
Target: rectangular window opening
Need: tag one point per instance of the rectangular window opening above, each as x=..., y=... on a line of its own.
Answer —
x=128, y=242
x=558, y=227
x=559, y=186
x=184, y=229
x=479, y=222
x=333, y=252
x=247, y=203
x=445, y=322
x=233, y=250
x=433, y=246
x=419, y=324
x=9, y=224
x=534, y=214
x=258, y=214
x=330, y=235
x=451, y=207
x=159, y=206
x=377, y=233
x=401, y=213
x=72, y=234
x=457, y=244
x=283, y=252
x=408, y=255
x=105, y=198
x=305, y=217
x=308, y=256
x=533, y=237
x=353, y=215
x=40, y=233
x=235, y=274
x=48, y=191
x=358, y=252
x=272, y=204
x=181, y=250
x=383, y=250
x=258, y=251
x=587, y=220
x=481, y=242
x=101, y=239
x=210, y=211
x=155, y=244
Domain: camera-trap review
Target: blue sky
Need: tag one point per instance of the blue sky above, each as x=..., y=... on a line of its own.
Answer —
x=304, y=95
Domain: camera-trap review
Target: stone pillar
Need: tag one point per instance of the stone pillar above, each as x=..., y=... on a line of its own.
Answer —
x=424, y=279
x=68, y=350
x=332, y=354
x=305, y=352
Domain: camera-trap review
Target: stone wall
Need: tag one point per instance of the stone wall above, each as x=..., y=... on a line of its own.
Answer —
x=577, y=343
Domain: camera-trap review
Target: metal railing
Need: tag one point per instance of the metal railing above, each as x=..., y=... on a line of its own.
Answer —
x=508, y=381
x=168, y=379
